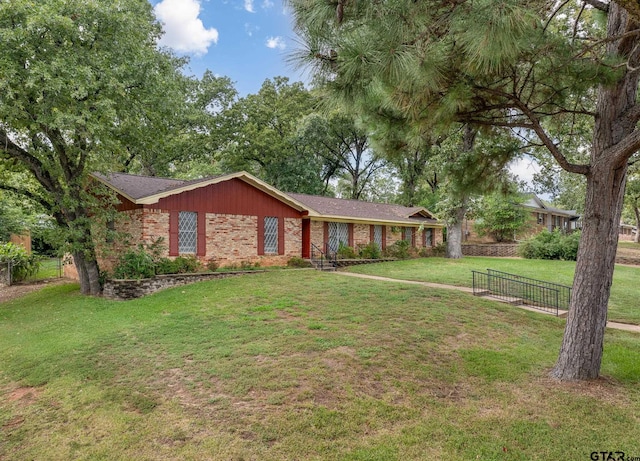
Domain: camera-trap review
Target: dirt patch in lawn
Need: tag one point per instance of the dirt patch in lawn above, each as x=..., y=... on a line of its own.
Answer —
x=21, y=289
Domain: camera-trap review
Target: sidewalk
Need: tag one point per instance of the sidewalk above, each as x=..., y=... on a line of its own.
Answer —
x=563, y=314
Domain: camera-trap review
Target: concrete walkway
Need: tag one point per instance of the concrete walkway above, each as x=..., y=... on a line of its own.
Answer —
x=563, y=314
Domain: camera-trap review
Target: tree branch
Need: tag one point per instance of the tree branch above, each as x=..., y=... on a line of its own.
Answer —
x=597, y=4
x=622, y=151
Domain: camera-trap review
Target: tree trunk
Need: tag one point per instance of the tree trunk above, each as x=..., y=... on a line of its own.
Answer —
x=581, y=352
x=454, y=232
x=89, y=274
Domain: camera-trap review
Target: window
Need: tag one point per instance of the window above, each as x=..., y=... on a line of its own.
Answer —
x=338, y=235
x=187, y=231
x=377, y=236
x=428, y=237
x=408, y=234
x=271, y=235
x=541, y=219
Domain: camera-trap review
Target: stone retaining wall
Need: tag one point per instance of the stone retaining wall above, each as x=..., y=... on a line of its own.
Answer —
x=120, y=289
x=500, y=250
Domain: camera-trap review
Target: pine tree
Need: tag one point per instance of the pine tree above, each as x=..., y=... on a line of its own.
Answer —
x=525, y=66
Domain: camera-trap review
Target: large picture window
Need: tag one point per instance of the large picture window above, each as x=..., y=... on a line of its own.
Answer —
x=428, y=237
x=408, y=235
x=377, y=236
x=187, y=232
x=338, y=235
x=271, y=235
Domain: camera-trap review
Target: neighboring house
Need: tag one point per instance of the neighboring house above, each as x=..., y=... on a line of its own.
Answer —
x=543, y=216
x=627, y=232
x=237, y=217
x=24, y=240
x=550, y=218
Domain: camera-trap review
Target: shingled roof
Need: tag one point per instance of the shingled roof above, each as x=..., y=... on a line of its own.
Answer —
x=148, y=190
x=137, y=187
x=329, y=207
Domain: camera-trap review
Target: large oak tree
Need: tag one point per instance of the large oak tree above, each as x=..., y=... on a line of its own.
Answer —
x=80, y=81
x=527, y=66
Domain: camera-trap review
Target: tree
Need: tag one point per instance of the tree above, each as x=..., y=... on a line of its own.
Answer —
x=263, y=137
x=343, y=145
x=500, y=216
x=188, y=133
x=78, y=82
x=12, y=220
x=510, y=64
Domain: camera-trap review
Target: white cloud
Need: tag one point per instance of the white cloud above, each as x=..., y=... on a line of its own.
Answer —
x=267, y=4
x=248, y=5
x=276, y=42
x=183, y=30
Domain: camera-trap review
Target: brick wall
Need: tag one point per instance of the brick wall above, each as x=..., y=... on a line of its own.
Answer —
x=361, y=234
x=500, y=250
x=232, y=238
x=292, y=237
x=317, y=234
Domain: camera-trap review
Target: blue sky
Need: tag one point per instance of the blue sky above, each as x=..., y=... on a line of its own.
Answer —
x=245, y=40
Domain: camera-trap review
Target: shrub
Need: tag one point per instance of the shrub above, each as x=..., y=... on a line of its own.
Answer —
x=551, y=245
x=135, y=264
x=440, y=250
x=370, y=251
x=399, y=249
x=186, y=264
x=297, y=261
x=346, y=252
x=212, y=265
x=23, y=265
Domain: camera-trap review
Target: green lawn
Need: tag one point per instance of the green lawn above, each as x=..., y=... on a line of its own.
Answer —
x=301, y=365
x=625, y=291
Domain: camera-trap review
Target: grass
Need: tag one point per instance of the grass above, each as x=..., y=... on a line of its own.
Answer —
x=623, y=304
x=301, y=365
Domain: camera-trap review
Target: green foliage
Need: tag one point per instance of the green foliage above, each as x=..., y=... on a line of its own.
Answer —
x=100, y=91
x=399, y=250
x=23, y=265
x=135, y=264
x=501, y=217
x=179, y=265
x=146, y=261
x=346, y=252
x=298, y=262
x=212, y=265
x=369, y=251
x=551, y=245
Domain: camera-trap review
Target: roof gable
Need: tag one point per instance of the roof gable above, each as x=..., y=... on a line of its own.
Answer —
x=146, y=190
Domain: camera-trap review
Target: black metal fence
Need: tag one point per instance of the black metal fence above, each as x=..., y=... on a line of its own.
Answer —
x=49, y=268
x=516, y=289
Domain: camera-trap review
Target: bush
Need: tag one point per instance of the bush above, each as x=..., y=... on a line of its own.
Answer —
x=370, y=251
x=399, y=250
x=551, y=245
x=298, y=262
x=23, y=265
x=212, y=265
x=135, y=264
x=440, y=250
x=346, y=252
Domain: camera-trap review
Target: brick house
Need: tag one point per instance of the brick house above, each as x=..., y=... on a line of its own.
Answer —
x=543, y=216
x=237, y=217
